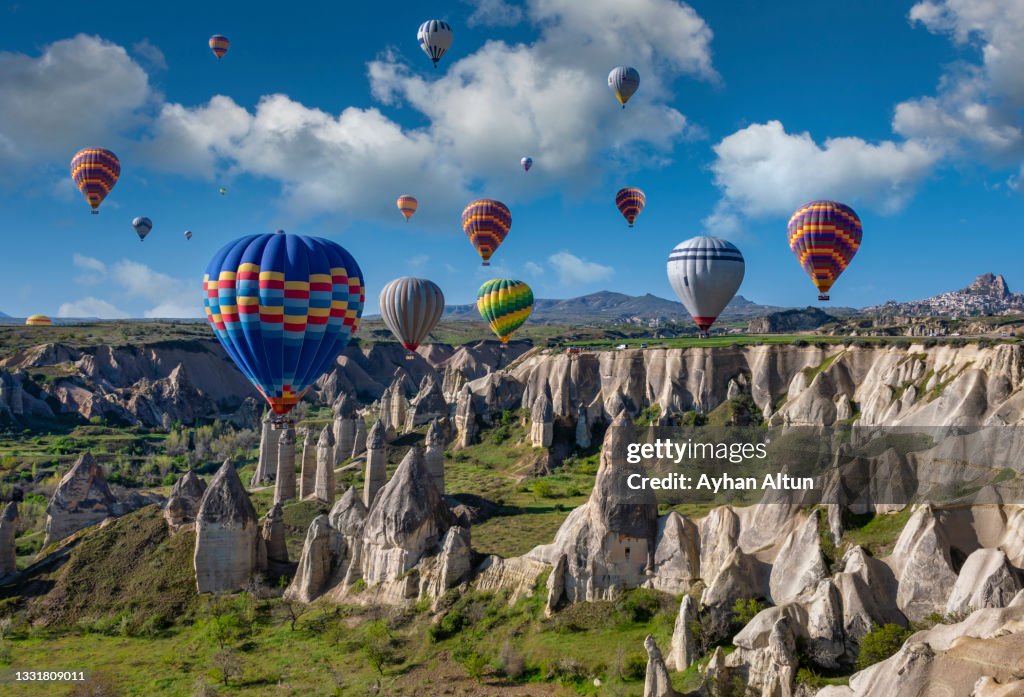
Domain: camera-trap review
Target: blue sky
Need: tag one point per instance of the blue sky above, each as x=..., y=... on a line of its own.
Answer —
x=316, y=120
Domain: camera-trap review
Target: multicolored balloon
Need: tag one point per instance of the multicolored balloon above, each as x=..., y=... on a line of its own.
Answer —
x=38, y=321
x=527, y=163
x=222, y=191
x=411, y=308
x=824, y=236
x=623, y=82
x=435, y=38
x=188, y=234
x=95, y=171
x=705, y=273
x=283, y=306
x=486, y=222
x=219, y=44
x=407, y=205
x=630, y=201
x=505, y=304
x=143, y=226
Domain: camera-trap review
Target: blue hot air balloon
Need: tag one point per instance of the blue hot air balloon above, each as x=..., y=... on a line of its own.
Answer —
x=283, y=306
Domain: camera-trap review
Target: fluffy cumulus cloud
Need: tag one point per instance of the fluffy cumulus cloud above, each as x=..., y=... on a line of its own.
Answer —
x=91, y=307
x=156, y=293
x=42, y=99
x=977, y=106
x=573, y=271
x=763, y=170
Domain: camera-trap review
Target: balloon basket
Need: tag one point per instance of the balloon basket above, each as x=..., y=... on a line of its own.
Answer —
x=95, y=212
x=486, y=263
x=823, y=297
x=410, y=356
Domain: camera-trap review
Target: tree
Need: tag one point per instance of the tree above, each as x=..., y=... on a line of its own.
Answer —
x=881, y=643
x=378, y=646
x=227, y=662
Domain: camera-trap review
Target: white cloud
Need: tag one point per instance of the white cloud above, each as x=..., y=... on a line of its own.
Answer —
x=172, y=297
x=176, y=309
x=494, y=13
x=573, y=271
x=151, y=54
x=762, y=170
x=91, y=307
x=95, y=269
x=532, y=268
x=417, y=261
x=976, y=111
x=79, y=91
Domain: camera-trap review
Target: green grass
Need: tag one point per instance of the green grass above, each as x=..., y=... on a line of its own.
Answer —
x=878, y=533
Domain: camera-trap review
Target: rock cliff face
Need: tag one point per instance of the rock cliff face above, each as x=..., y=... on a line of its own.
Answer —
x=226, y=535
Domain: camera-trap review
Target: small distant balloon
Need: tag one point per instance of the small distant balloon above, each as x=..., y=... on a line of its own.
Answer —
x=219, y=44
x=623, y=82
x=143, y=226
x=407, y=205
x=222, y=191
x=188, y=234
x=435, y=38
x=527, y=163
x=95, y=171
x=630, y=201
x=38, y=321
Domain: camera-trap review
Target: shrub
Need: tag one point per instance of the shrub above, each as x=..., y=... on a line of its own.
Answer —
x=634, y=667
x=744, y=610
x=881, y=643
x=639, y=605
x=448, y=626
x=510, y=662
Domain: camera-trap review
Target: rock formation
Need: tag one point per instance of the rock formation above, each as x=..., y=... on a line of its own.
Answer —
x=657, y=682
x=8, y=532
x=986, y=581
x=609, y=541
x=434, y=455
x=582, y=428
x=266, y=464
x=321, y=553
x=183, y=503
x=542, y=422
x=273, y=537
x=800, y=564
x=769, y=670
x=81, y=499
x=923, y=566
x=684, y=649
x=359, y=439
x=226, y=534
x=325, y=447
x=307, y=471
x=376, y=464
x=284, y=483
x=465, y=419
x=408, y=518
x=344, y=429
x=428, y=404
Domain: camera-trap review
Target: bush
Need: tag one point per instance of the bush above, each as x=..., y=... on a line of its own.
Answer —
x=744, y=610
x=543, y=489
x=634, y=667
x=881, y=643
x=639, y=605
x=448, y=626
x=510, y=663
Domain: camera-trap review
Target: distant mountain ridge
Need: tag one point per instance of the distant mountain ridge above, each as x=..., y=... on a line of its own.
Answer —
x=988, y=294
x=610, y=307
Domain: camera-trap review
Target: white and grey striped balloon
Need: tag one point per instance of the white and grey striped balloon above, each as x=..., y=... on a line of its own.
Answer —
x=705, y=272
x=411, y=308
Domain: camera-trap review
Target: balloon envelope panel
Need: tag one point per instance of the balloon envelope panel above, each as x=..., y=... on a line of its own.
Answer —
x=283, y=306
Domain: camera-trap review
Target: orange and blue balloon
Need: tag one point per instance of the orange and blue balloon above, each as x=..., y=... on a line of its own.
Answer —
x=219, y=44
x=95, y=171
x=824, y=236
x=630, y=201
x=283, y=306
x=486, y=223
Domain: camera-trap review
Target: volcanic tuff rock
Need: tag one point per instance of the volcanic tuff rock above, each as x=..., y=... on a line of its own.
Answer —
x=950, y=659
x=434, y=455
x=429, y=404
x=465, y=419
x=359, y=439
x=800, y=564
x=322, y=553
x=407, y=519
x=789, y=321
x=684, y=649
x=324, y=487
x=266, y=465
x=376, y=463
x=272, y=534
x=541, y=422
x=81, y=499
x=307, y=470
x=183, y=503
x=8, y=531
x=284, y=482
x=986, y=580
x=226, y=534
x=923, y=566
x=657, y=682
x=608, y=541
